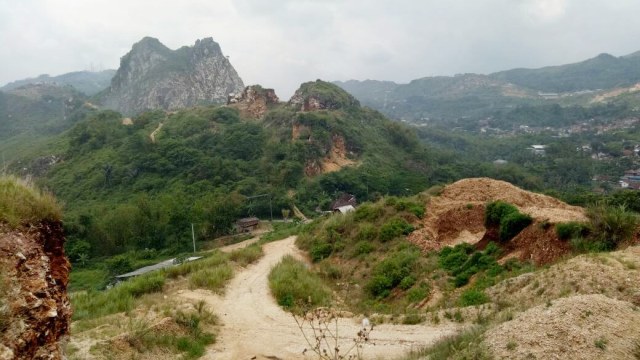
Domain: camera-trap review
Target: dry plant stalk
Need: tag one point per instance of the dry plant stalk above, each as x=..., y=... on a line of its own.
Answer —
x=322, y=335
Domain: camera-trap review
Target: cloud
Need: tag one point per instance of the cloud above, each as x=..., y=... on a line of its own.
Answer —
x=283, y=43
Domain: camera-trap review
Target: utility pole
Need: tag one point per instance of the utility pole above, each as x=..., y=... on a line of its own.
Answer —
x=193, y=237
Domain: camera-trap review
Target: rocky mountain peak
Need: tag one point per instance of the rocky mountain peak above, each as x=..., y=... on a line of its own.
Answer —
x=321, y=95
x=152, y=76
x=254, y=101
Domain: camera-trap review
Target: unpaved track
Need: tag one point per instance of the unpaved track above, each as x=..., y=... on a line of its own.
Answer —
x=254, y=327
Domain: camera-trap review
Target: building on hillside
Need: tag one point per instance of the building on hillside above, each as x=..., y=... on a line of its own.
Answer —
x=343, y=200
x=248, y=224
x=538, y=149
x=344, y=209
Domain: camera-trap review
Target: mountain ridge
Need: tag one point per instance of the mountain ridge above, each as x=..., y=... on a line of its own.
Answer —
x=152, y=76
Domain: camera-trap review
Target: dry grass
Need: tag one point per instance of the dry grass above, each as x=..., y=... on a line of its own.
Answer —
x=22, y=203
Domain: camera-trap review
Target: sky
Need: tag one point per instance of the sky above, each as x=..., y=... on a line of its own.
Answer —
x=283, y=43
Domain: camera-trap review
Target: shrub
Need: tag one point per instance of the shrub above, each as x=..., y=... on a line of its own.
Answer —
x=512, y=224
x=473, y=297
x=367, y=232
x=419, y=292
x=496, y=211
x=368, y=212
x=295, y=287
x=363, y=247
x=393, y=228
x=571, y=230
x=611, y=225
x=390, y=272
x=407, y=282
x=320, y=251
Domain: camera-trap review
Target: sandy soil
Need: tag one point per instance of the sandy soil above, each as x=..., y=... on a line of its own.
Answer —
x=152, y=136
x=254, y=327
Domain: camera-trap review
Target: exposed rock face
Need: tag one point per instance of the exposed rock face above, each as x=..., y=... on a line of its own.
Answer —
x=34, y=308
x=151, y=76
x=254, y=101
x=321, y=95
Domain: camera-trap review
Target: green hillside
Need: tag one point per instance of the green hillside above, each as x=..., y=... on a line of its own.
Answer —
x=123, y=190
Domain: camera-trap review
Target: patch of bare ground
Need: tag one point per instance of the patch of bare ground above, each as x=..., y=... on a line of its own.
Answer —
x=457, y=215
x=614, y=274
x=578, y=327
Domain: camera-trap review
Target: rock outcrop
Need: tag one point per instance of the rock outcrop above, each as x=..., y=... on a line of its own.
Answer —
x=254, y=101
x=321, y=95
x=34, y=308
x=152, y=76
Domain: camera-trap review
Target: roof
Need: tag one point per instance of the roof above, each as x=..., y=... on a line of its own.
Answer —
x=158, y=266
x=248, y=221
x=343, y=200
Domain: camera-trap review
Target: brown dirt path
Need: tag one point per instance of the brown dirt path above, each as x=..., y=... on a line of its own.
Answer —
x=255, y=327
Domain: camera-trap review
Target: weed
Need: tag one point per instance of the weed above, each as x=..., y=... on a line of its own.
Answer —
x=465, y=345
x=511, y=345
x=21, y=203
x=571, y=230
x=214, y=278
x=601, y=343
x=321, y=332
x=412, y=319
x=295, y=287
x=473, y=297
x=247, y=255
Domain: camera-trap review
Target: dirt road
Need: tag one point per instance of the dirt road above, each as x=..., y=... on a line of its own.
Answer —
x=255, y=327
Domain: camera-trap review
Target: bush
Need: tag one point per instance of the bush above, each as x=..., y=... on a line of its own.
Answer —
x=295, y=287
x=367, y=232
x=473, y=297
x=571, y=230
x=320, y=251
x=418, y=293
x=368, y=212
x=407, y=282
x=611, y=225
x=512, y=224
x=363, y=247
x=496, y=211
x=393, y=228
x=462, y=262
x=391, y=271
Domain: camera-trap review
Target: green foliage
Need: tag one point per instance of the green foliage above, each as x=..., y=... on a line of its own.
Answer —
x=571, y=230
x=330, y=96
x=281, y=231
x=507, y=217
x=610, y=226
x=21, y=204
x=472, y=297
x=247, y=255
x=512, y=224
x=417, y=293
x=496, y=211
x=392, y=271
x=393, y=228
x=462, y=262
x=295, y=287
x=92, y=304
x=320, y=251
x=213, y=278
x=363, y=247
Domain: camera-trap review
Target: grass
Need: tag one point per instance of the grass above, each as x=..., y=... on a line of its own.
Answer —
x=213, y=278
x=466, y=345
x=281, y=231
x=21, y=203
x=296, y=288
x=247, y=255
x=120, y=298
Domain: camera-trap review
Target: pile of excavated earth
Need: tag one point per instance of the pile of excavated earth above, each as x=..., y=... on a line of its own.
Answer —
x=457, y=216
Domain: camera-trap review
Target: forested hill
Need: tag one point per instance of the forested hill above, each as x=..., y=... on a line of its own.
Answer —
x=446, y=98
x=125, y=189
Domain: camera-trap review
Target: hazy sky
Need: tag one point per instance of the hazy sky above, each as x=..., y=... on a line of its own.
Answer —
x=282, y=43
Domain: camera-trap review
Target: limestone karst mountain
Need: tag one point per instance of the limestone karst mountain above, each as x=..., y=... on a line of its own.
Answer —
x=152, y=76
